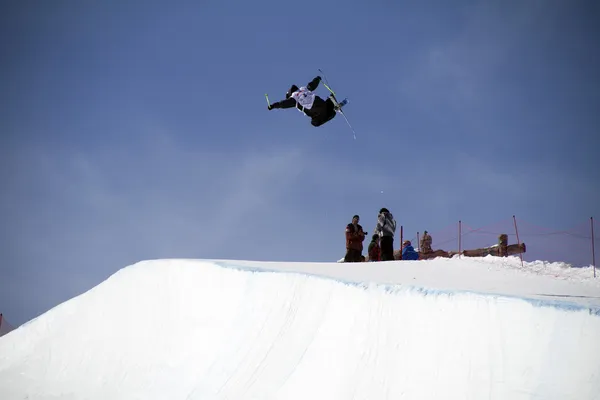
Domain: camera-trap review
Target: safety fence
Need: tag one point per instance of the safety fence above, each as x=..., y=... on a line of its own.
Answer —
x=574, y=246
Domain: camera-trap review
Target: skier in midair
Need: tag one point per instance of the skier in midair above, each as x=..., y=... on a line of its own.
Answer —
x=320, y=111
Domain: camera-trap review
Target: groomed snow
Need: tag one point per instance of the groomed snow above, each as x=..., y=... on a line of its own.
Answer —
x=482, y=328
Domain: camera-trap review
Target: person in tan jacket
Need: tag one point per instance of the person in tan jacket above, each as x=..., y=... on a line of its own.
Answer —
x=425, y=245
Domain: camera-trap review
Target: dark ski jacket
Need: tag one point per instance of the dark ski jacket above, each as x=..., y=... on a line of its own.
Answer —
x=290, y=102
x=374, y=251
x=354, y=237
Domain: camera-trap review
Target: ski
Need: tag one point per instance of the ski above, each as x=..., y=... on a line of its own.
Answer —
x=339, y=105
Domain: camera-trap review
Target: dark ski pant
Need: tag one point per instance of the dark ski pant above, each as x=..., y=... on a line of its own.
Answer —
x=322, y=111
x=387, y=248
x=353, y=256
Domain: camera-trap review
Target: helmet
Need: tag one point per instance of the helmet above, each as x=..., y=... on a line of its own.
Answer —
x=291, y=90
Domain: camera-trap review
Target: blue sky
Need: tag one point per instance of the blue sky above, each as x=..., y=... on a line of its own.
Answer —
x=139, y=130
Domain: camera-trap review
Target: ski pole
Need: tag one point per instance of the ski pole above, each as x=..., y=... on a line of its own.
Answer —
x=267, y=97
x=324, y=76
x=326, y=83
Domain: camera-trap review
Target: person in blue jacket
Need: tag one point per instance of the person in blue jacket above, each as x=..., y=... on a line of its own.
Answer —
x=408, y=252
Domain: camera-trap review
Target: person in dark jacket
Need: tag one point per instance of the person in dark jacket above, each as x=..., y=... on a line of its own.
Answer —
x=354, y=241
x=374, y=249
x=408, y=252
x=303, y=98
x=385, y=228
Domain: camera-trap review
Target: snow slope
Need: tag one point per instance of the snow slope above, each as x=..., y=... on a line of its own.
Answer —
x=219, y=329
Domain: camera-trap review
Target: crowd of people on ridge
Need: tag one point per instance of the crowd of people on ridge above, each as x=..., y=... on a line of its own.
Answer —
x=381, y=247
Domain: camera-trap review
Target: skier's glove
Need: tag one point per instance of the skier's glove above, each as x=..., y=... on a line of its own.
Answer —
x=270, y=107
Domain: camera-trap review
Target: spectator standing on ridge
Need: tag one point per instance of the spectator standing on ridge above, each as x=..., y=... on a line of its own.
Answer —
x=408, y=252
x=386, y=227
x=503, y=245
x=425, y=245
x=354, y=241
x=374, y=249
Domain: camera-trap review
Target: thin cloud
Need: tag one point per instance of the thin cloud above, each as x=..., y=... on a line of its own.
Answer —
x=458, y=71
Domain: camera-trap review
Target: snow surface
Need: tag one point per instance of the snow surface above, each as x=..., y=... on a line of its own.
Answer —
x=470, y=328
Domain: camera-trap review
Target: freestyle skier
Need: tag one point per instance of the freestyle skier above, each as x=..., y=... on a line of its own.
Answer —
x=304, y=99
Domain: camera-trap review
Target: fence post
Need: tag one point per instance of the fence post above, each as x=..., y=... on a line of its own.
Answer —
x=401, y=239
x=518, y=241
x=593, y=246
x=459, y=237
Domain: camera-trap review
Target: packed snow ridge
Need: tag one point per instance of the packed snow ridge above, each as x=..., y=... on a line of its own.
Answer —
x=219, y=329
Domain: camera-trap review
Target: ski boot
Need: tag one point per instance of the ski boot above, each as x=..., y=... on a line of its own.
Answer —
x=337, y=106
